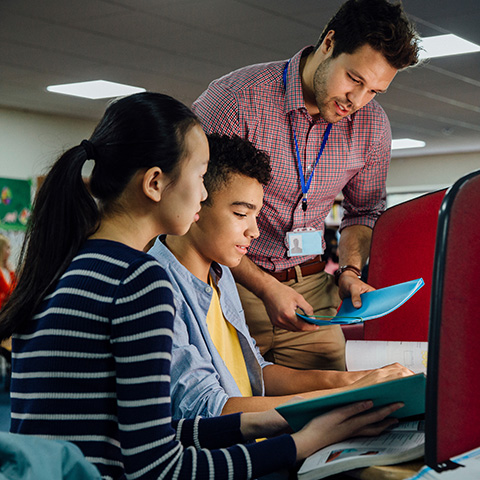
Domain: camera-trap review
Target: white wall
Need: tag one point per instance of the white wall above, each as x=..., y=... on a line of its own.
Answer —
x=435, y=171
x=30, y=142
x=413, y=176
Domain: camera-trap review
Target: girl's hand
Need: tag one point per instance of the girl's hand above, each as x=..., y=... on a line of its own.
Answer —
x=344, y=422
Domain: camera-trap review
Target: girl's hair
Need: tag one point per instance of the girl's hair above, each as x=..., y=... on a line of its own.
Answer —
x=140, y=131
x=4, y=241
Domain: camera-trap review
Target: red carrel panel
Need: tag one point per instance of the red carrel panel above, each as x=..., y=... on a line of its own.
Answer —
x=453, y=382
x=402, y=249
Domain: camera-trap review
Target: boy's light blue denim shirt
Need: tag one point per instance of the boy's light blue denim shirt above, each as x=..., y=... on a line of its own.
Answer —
x=201, y=384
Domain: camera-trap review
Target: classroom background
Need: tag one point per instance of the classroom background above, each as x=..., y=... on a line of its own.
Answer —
x=178, y=47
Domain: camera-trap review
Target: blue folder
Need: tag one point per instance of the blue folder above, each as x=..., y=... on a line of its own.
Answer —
x=375, y=304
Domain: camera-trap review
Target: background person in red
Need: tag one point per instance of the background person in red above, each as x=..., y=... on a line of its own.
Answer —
x=7, y=275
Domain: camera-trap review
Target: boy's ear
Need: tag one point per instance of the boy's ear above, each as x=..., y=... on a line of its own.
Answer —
x=153, y=183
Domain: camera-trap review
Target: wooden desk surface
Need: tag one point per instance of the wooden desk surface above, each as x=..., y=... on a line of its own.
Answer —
x=400, y=471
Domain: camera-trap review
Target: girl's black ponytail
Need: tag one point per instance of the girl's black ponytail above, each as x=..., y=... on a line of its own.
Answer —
x=64, y=214
x=140, y=131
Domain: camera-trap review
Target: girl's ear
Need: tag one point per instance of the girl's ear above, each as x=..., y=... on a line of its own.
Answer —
x=153, y=184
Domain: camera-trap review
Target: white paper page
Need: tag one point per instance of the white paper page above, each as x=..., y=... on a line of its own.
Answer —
x=366, y=355
x=384, y=444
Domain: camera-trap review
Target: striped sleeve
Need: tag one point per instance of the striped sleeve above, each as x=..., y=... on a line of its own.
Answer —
x=141, y=339
x=251, y=460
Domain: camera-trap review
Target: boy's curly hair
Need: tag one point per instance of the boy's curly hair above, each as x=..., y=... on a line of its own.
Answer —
x=233, y=155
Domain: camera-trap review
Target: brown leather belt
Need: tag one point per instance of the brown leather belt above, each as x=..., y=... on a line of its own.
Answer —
x=307, y=268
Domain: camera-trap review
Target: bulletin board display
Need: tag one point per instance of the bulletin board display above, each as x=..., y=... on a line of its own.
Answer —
x=15, y=203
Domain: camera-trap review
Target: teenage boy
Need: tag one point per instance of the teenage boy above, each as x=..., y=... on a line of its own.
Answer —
x=216, y=366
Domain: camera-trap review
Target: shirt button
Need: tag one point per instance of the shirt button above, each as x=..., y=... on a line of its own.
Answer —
x=208, y=289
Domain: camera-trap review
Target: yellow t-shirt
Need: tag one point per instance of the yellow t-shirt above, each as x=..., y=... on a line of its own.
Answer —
x=225, y=339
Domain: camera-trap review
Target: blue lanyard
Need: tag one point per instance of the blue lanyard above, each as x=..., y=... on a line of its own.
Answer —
x=305, y=186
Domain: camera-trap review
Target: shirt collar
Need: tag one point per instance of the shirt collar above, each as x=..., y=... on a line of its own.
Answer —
x=217, y=270
x=294, y=94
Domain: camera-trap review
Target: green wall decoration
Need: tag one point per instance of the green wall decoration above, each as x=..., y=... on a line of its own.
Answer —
x=15, y=203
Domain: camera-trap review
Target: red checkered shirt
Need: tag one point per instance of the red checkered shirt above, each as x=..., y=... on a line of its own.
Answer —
x=253, y=103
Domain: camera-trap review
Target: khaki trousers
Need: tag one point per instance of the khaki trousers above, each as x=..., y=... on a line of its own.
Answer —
x=323, y=349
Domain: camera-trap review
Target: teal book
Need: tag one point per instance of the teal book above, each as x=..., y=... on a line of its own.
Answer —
x=375, y=304
x=409, y=390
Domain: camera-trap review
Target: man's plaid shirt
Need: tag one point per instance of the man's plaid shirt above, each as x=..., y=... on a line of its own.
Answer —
x=253, y=103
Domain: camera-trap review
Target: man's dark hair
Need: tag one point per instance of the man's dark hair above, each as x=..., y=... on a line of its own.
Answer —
x=381, y=24
x=233, y=155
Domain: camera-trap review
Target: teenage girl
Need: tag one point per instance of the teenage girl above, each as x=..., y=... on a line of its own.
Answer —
x=92, y=314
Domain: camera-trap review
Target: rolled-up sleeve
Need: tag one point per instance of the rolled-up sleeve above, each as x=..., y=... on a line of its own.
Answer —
x=365, y=194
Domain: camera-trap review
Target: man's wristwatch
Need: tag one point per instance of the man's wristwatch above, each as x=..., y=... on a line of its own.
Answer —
x=344, y=268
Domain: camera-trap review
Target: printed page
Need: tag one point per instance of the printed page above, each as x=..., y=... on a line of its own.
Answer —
x=409, y=426
x=366, y=355
x=390, y=447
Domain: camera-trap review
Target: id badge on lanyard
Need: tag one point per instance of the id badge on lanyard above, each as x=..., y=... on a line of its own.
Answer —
x=305, y=240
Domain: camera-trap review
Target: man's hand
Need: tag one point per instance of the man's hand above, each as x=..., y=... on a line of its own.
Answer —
x=281, y=302
x=349, y=285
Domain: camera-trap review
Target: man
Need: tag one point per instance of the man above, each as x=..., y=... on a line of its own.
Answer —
x=216, y=367
x=315, y=115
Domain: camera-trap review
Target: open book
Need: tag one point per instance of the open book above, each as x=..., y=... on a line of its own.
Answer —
x=409, y=390
x=375, y=304
x=402, y=443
